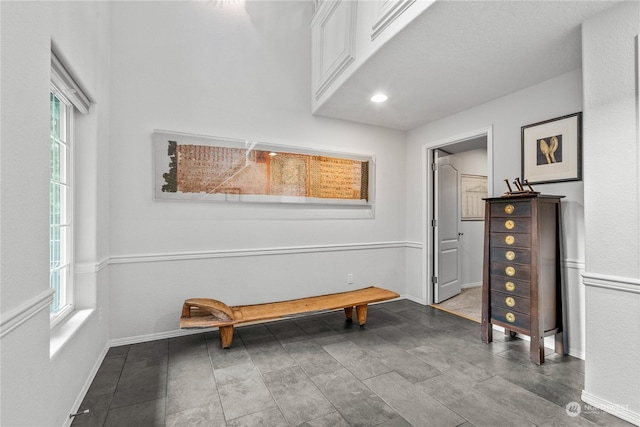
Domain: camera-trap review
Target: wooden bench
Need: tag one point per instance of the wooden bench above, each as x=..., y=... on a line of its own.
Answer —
x=210, y=313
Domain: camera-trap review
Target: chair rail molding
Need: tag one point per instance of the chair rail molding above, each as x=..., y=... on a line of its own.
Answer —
x=253, y=252
x=615, y=283
x=25, y=311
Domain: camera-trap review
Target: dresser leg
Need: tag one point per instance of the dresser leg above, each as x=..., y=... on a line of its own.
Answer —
x=536, y=351
x=486, y=333
x=559, y=344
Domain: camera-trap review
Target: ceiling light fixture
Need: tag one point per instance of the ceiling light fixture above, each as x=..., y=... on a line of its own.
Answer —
x=379, y=97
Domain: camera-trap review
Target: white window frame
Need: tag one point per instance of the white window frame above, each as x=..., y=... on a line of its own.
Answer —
x=65, y=224
x=64, y=87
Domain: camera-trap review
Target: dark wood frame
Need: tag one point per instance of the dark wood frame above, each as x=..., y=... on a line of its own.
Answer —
x=578, y=174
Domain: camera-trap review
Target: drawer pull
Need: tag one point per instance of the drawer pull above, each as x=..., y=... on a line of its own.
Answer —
x=509, y=224
x=509, y=209
x=510, y=317
x=510, y=301
x=510, y=271
x=509, y=240
x=510, y=255
x=510, y=286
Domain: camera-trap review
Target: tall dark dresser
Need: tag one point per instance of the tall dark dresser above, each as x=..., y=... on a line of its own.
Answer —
x=521, y=287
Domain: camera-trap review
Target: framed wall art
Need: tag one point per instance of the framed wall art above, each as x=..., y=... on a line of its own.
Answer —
x=474, y=190
x=194, y=167
x=552, y=150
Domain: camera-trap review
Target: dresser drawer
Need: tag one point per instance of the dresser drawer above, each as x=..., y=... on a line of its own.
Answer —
x=511, y=209
x=511, y=225
x=510, y=240
x=510, y=317
x=511, y=255
x=512, y=271
x=510, y=286
x=511, y=302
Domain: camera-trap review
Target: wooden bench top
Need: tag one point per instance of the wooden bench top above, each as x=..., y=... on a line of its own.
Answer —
x=208, y=313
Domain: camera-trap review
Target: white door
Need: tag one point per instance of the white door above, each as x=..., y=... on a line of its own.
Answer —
x=445, y=229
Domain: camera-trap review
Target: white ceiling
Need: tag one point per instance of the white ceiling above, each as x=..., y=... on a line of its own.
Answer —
x=459, y=54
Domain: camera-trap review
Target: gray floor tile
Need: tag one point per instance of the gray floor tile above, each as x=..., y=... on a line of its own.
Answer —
x=404, y=363
x=287, y=331
x=518, y=400
x=358, y=361
x=98, y=406
x=189, y=392
x=396, y=422
x=447, y=362
x=190, y=368
x=146, y=414
x=268, y=354
x=297, y=396
x=118, y=351
x=399, y=338
x=148, y=350
x=227, y=357
x=209, y=415
x=472, y=405
x=333, y=419
x=267, y=418
x=242, y=391
x=254, y=332
x=410, y=403
x=311, y=357
x=357, y=404
x=108, y=375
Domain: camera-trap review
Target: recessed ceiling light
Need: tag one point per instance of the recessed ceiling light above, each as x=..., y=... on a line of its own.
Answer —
x=379, y=97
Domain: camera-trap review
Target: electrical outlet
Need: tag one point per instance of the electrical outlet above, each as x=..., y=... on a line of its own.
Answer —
x=349, y=279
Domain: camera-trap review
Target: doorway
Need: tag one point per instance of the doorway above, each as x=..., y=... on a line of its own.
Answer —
x=455, y=241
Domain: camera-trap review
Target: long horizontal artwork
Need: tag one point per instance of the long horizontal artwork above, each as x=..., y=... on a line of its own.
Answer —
x=190, y=167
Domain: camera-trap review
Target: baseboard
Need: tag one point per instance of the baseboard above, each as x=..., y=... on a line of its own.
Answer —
x=471, y=285
x=598, y=404
x=413, y=299
x=87, y=384
x=159, y=336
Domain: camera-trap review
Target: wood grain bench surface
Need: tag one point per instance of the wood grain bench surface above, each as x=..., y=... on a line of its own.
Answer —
x=210, y=313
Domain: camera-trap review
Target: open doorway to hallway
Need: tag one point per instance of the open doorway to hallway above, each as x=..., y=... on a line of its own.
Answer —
x=460, y=170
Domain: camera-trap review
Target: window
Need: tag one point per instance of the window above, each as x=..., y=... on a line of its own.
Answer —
x=65, y=98
x=60, y=204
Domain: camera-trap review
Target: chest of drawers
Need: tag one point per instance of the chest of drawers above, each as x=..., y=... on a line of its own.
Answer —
x=521, y=288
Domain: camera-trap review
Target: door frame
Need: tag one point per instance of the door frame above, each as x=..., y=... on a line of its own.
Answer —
x=427, y=196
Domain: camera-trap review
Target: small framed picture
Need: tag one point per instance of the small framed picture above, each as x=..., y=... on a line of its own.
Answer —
x=552, y=150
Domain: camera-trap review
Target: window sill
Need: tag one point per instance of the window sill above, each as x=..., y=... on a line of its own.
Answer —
x=65, y=330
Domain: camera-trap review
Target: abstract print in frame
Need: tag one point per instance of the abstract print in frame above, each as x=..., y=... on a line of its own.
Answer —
x=194, y=167
x=552, y=150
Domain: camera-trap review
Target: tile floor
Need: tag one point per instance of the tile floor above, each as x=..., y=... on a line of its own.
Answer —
x=409, y=366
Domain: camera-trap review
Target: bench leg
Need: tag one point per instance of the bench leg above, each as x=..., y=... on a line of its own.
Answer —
x=361, y=311
x=226, y=335
x=348, y=311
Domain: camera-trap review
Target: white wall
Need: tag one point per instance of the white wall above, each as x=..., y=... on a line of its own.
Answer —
x=612, y=217
x=553, y=98
x=38, y=389
x=228, y=70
